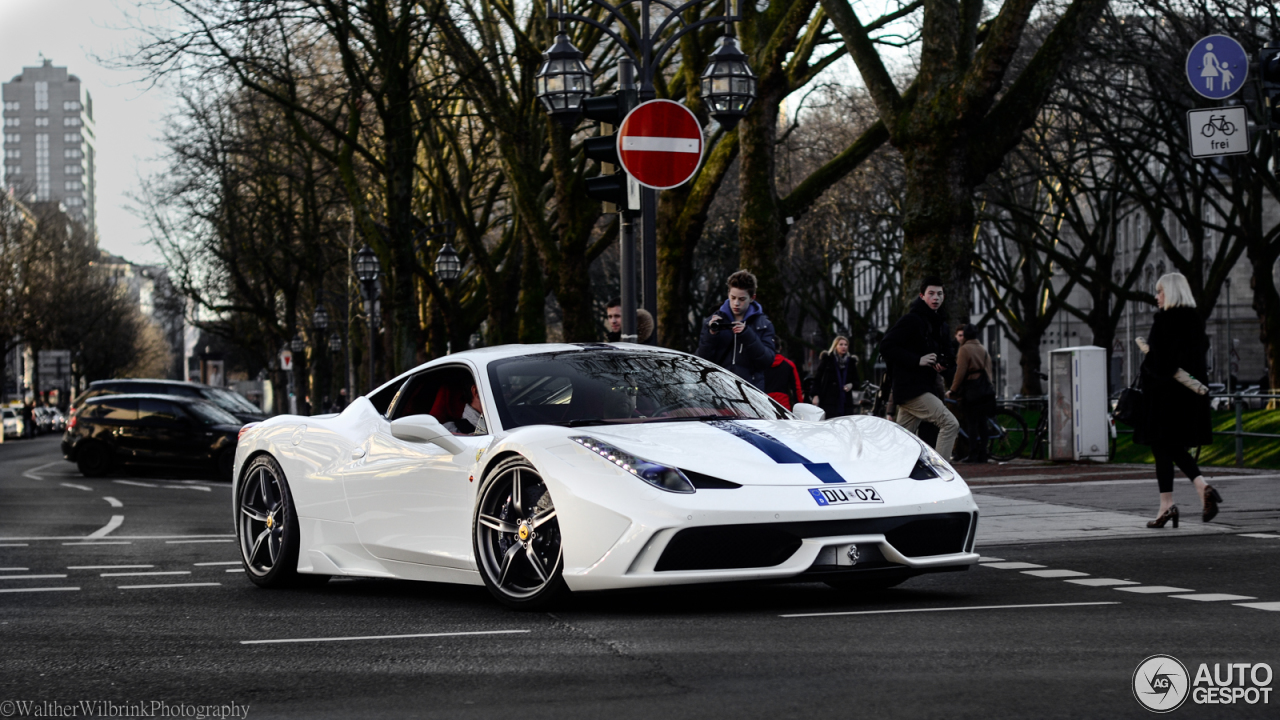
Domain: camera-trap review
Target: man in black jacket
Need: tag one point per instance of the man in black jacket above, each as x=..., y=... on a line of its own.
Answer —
x=912, y=349
x=739, y=336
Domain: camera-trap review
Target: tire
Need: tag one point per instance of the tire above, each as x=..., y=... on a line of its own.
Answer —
x=267, y=528
x=93, y=459
x=1012, y=436
x=516, y=538
x=855, y=583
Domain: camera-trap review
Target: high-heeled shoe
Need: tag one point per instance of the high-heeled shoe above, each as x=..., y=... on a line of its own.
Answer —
x=1211, y=500
x=1166, y=516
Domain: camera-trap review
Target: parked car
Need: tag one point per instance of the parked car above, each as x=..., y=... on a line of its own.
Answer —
x=113, y=430
x=58, y=418
x=44, y=419
x=12, y=423
x=231, y=402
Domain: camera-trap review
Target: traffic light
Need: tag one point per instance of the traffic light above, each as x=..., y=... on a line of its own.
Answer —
x=1269, y=75
x=610, y=186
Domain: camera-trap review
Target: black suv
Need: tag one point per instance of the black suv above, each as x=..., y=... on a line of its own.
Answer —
x=113, y=430
x=233, y=403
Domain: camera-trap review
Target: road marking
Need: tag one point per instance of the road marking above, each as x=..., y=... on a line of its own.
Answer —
x=109, y=567
x=160, y=572
x=1103, y=582
x=46, y=577
x=943, y=609
x=110, y=542
x=1054, y=573
x=1012, y=566
x=32, y=472
x=112, y=501
x=116, y=521
x=234, y=570
x=1268, y=536
x=14, y=569
x=188, y=487
x=183, y=542
x=77, y=487
x=49, y=589
x=989, y=559
x=1273, y=606
x=1213, y=597
x=1153, y=589
x=170, y=585
x=384, y=637
x=211, y=564
x=135, y=483
x=14, y=545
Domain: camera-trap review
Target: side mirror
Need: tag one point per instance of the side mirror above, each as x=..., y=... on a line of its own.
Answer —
x=425, y=429
x=805, y=411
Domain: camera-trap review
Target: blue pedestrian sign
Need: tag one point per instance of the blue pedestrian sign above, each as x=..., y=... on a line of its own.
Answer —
x=1217, y=67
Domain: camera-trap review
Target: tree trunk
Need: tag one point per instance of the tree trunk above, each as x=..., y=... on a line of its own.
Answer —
x=937, y=225
x=1266, y=303
x=1028, y=344
x=760, y=230
x=532, y=309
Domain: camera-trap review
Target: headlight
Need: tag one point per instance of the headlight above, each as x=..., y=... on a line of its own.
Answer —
x=930, y=465
x=660, y=476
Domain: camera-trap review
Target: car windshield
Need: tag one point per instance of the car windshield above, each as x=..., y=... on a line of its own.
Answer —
x=620, y=386
x=210, y=414
x=231, y=402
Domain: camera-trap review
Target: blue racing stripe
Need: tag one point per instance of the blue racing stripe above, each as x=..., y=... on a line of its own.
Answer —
x=776, y=451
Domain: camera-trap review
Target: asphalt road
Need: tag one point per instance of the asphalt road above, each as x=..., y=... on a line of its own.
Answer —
x=997, y=641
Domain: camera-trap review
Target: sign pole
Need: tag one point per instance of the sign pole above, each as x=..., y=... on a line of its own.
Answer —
x=627, y=242
x=649, y=252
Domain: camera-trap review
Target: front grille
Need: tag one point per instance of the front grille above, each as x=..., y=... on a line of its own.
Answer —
x=726, y=547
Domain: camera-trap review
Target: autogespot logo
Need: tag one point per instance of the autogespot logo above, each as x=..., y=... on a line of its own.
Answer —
x=1160, y=683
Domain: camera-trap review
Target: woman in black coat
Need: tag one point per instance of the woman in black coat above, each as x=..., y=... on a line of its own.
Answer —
x=1175, y=402
x=837, y=377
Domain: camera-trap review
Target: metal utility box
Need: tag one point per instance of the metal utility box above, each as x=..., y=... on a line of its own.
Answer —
x=1078, y=404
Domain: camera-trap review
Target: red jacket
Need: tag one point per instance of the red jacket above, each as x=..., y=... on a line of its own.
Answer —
x=782, y=382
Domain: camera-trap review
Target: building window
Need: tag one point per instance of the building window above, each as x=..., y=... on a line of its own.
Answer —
x=71, y=121
x=42, y=167
x=72, y=153
x=73, y=186
x=71, y=138
x=42, y=96
x=72, y=170
x=71, y=106
x=75, y=201
x=12, y=138
x=11, y=154
x=12, y=106
x=12, y=122
x=42, y=122
x=13, y=170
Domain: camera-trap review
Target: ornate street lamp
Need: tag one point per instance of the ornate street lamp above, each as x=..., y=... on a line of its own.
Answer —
x=367, y=270
x=728, y=85
x=298, y=344
x=563, y=80
x=448, y=266
x=367, y=266
x=335, y=343
x=320, y=319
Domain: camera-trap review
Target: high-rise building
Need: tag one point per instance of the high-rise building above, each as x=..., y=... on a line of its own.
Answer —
x=49, y=140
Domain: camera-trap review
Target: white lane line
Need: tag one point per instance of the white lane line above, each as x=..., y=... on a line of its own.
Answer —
x=112, y=501
x=1055, y=573
x=384, y=637
x=984, y=558
x=1103, y=582
x=117, y=537
x=109, y=567
x=109, y=542
x=211, y=564
x=184, y=542
x=42, y=577
x=1214, y=597
x=1154, y=589
x=49, y=589
x=1012, y=566
x=32, y=472
x=170, y=585
x=135, y=483
x=13, y=545
x=1272, y=606
x=14, y=569
x=77, y=487
x=187, y=487
x=1266, y=536
x=116, y=521
x=234, y=570
x=139, y=574
x=943, y=609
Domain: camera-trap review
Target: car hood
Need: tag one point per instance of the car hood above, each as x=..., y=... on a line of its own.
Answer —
x=230, y=429
x=772, y=452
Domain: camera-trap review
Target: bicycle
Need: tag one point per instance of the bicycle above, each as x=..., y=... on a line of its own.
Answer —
x=1006, y=435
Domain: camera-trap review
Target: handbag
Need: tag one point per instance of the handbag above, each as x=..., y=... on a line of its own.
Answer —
x=978, y=393
x=1129, y=404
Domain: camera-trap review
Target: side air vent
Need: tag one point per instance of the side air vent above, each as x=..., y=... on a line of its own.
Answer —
x=707, y=482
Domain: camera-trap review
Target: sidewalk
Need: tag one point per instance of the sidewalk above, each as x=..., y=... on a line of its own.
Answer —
x=1032, y=502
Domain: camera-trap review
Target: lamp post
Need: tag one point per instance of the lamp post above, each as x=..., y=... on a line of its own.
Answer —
x=298, y=346
x=367, y=271
x=564, y=82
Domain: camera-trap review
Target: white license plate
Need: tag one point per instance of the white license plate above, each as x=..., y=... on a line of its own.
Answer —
x=845, y=495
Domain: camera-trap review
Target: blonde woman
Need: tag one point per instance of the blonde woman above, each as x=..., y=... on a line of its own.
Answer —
x=1175, y=400
x=837, y=377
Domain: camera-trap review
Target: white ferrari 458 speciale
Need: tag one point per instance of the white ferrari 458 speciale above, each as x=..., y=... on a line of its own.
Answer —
x=535, y=469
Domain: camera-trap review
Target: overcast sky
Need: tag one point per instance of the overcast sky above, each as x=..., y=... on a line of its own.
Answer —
x=129, y=117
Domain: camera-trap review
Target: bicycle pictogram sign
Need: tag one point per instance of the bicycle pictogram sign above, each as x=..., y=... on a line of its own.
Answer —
x=1218, y=123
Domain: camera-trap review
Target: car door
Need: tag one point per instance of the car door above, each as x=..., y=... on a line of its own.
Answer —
x=116, y=423
x=412, y=501
x=171, y=437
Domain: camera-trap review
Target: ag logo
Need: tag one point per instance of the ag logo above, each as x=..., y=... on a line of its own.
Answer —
x=1160, y=683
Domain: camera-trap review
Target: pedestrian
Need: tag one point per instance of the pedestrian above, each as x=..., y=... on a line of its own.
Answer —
x=1175, y=403
x=972, y=387
x=739, y=336
x=912, y=349
x=782, y=380
x=613, y=320
x=28, y=419
x=837, y=377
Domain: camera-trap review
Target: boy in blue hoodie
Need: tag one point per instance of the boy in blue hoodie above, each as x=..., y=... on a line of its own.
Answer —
x=739, y=336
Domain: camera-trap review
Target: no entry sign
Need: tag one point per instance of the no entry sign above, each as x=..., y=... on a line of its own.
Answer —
x=660, y=144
